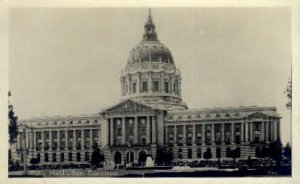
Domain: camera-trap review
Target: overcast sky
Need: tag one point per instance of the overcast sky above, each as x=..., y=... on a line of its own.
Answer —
x=68, y=61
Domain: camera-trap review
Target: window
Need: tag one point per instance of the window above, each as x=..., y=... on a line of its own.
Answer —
x=87, y=156
x=218, y=152
x=190, y=153
x=134, y=87
x=228, y=152
x=46, y=157
x=175, y=87
x=155, y=86
x=78, y=157
x=145, y=86
x=237, y=139
x=38, y=157
x=70, y=157
x=256, y=126
x=166, y=86
x=53, y=157
x=199, y=153
x=180, y=153
x=62, y=157
x=143, y=142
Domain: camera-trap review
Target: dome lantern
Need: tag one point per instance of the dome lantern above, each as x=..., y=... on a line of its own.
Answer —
x=150, y=33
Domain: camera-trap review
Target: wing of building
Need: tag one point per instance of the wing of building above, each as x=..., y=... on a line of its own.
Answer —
x=151, y=116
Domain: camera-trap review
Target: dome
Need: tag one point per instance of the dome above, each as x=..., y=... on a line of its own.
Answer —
x=150, y=75
x=150, y=51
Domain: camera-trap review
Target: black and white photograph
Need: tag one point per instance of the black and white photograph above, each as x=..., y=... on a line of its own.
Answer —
x=149, y=92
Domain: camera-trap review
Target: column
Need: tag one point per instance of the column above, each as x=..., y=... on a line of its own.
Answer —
x=213, y=134
x=74, y=139
x=138, y=84
x=223, y=133
x=251, y=131
x=18, y=141
x=99, y=136
x=278, y=128
x=82, y=139
x=275, y=130
x=267, y=131
x=184, y=135
x=148, y=130
x=135, y=129
x=246, y=131
x=175, y=134
x=34, y=140
x=112, y=131
x=242, y=132
x=91, y=138
x=262, y=132
x=50, y=140
x=232, y=133
x=154, y=130
x=271, y=130
x=162, y=83
x=194, y=135
x=58, y=140
x=203, y=134
x=123, y=131
x=166, y=134
x=66, y=140
x=43, y=139
x=27, y=139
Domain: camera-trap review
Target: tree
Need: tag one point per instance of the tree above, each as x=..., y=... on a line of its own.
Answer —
x=207, y=154
x=12, y=128
x=163, y=156
x=276, y=150
x=288, y=92
x=97, y=157
x=287, y=151
x=34, y=161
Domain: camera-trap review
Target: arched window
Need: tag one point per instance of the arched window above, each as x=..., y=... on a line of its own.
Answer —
x=118, y=158
x=190, y=153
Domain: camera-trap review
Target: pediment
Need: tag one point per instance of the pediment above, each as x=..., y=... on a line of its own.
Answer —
x=129, y=106
x=258, y=115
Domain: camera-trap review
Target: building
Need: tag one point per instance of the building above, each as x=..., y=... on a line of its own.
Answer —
x=150, y=116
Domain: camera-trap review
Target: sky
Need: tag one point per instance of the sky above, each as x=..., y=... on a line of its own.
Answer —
x=68, y=61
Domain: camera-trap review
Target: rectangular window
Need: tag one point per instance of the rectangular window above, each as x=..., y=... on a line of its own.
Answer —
x=87, y=156
x=145, y=86
x=166, y=87
x=70, y=157
x=156, y=86
x=134, y=87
